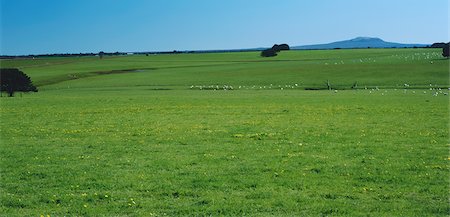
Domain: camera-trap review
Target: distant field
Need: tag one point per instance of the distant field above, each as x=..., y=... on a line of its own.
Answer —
x=159, y=136
x=389, y=68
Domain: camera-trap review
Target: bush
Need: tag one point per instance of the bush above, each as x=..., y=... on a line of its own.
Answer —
x=445, y=50
x=269, y=53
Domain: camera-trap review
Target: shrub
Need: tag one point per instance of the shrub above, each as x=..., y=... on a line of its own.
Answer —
x=268, y=53
x=445, y=50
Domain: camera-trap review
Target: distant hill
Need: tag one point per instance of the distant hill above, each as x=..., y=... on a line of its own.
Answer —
x=359, y=42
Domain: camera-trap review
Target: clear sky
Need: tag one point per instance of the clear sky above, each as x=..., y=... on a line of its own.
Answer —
x=74, y=26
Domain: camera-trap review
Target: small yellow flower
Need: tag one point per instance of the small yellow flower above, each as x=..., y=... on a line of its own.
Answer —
x=85, y=205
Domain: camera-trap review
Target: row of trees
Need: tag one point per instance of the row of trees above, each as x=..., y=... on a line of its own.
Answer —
x=62, y=55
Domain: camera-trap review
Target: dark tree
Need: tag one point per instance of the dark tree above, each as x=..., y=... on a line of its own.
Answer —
x=438, y=45
x=101, y=54
x=271, y=52
x=284, y=47
x=280, y=47
x=445, y=50
x=13, y=80
x=268, y=53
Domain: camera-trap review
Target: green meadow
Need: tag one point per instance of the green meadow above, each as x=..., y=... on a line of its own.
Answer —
x=229, y=134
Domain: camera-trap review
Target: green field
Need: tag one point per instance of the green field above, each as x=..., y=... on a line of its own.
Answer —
x=229, y=134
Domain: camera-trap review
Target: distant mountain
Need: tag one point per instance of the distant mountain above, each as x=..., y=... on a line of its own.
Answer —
x=359, y=42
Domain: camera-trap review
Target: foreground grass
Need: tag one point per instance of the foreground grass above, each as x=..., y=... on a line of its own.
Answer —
x=181, y=152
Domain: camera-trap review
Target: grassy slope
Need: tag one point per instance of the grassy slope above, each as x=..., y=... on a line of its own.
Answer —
x=93, y=149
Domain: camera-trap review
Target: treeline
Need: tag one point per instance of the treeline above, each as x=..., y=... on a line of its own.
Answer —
x=124, y=53
x=62, y=55
x=264, y=52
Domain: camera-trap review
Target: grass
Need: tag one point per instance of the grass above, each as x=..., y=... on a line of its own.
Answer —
x=368, y=67
x=144, y=143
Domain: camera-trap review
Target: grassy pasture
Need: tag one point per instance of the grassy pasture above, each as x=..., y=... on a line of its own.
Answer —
x=129, y=136
x=368, y=67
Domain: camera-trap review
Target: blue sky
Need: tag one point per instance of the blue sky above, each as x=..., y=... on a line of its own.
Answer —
x=74, y=26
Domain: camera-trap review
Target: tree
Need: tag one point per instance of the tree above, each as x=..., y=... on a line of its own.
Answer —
x=268, y=53
x=438, y=45
x=280, y=47
x=13, y=80
x=445, y=50
x=271, y=52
